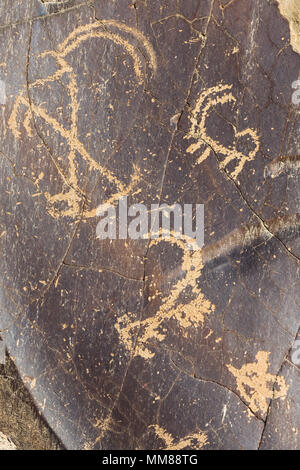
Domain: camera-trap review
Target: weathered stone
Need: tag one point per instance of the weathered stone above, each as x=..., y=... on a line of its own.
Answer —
x=137, y=344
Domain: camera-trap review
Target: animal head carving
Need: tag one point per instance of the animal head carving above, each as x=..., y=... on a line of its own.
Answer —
x=205, y=105
x=72, y=152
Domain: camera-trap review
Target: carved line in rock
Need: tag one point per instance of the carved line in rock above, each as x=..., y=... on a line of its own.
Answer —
x=205, y=105
x=255, y=384
x=194, y=312
x=195, y=441
x=189, y=314
x=74, y=195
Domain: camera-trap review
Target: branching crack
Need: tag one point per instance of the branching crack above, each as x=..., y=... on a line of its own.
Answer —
x=101, y=269
x=252, y=210
x=274, y=385
x=215, y=382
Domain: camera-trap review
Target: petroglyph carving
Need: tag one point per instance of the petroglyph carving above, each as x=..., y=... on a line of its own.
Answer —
x=73, y=196
x=189, y=314
x=193, y=441
x=205, y=105
x=255, y=383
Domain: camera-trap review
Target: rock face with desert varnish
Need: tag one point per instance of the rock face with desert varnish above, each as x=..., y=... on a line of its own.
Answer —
x=146, y=344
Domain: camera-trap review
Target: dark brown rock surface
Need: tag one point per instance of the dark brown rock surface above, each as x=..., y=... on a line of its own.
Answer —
x=131, y=344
